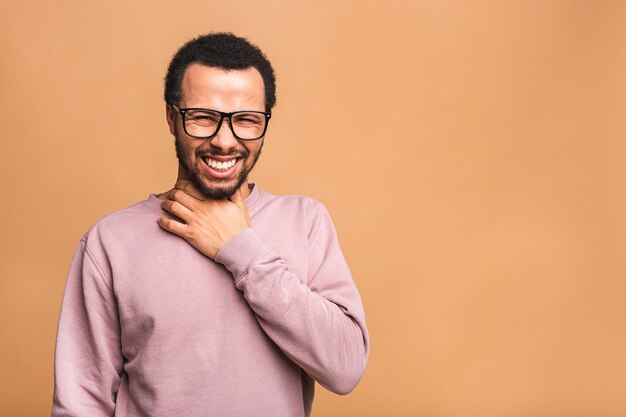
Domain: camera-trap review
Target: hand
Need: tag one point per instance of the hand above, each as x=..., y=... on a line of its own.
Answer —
x=207, y=223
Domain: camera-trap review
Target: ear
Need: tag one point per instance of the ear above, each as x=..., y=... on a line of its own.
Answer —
x=171, y=115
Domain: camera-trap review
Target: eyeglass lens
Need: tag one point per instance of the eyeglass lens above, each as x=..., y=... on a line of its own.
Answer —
x=245, y=125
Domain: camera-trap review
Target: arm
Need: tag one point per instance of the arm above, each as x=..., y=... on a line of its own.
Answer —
x=88, y=360
x=320, y=325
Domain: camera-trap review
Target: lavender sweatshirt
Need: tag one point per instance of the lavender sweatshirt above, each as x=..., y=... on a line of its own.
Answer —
x=151, y=327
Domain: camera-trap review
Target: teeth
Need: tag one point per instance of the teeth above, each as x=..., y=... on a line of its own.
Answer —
x=220, y=165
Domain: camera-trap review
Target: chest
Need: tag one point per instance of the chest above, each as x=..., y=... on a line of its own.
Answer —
x=168, y=291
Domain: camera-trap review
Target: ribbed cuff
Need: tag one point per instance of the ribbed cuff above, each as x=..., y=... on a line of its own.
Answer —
x=239, y=252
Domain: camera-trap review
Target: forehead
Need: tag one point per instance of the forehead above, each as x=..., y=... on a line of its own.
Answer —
x=224, y=90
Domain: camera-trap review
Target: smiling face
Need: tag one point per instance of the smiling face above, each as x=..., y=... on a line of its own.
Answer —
x=218, y=166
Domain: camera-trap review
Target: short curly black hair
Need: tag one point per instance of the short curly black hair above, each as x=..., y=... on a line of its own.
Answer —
x=221, y=50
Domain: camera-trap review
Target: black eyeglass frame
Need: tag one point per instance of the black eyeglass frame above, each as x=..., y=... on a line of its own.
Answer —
x=223, y=115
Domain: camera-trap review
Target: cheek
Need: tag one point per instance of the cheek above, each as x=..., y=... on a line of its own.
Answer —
x=253, y=150
x=186, y=150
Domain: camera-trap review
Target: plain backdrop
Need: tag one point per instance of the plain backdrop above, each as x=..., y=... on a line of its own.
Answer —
x=471, y=153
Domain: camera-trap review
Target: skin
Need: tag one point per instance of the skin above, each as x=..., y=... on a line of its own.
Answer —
x=206, y=223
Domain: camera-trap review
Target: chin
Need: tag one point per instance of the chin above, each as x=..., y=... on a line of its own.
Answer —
x=224, y=190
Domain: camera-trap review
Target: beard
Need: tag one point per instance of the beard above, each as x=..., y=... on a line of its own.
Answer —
x=198, y=178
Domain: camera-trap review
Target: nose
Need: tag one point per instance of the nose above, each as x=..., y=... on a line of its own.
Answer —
x=224, y=138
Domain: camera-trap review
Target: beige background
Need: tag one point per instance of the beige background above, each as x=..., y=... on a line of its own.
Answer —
x=472, y=155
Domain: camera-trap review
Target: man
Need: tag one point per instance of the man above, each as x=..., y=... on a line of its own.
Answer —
x=215, y=298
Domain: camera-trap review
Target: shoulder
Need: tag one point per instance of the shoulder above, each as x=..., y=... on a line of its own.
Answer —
x=127, y=223
x=298, y=205
x=301, y=212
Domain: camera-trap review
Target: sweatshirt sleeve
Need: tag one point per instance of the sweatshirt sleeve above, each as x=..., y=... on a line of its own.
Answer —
x=88, y=360
x=320, y=325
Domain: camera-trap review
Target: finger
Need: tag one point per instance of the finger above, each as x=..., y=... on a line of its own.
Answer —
x=173, y=226
x=177, y=209
x=182, y=197
x=189, y=188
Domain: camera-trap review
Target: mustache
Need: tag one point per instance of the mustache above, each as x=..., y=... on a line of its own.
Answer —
x=212, y=150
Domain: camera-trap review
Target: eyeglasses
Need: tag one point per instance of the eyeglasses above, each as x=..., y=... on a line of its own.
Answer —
x=205, y=123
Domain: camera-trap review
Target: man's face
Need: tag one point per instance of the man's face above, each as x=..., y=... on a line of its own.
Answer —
x=226, y=91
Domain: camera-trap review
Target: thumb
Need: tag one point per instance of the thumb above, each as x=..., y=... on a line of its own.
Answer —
x=238, y=198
